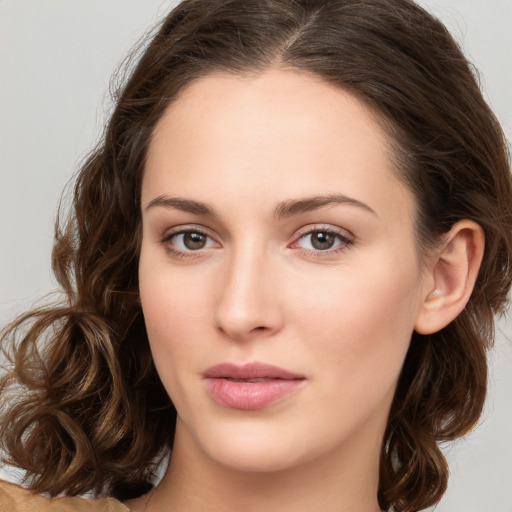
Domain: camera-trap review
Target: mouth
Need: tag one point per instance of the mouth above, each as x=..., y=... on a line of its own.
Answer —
x=247, y=380
x=250, y=386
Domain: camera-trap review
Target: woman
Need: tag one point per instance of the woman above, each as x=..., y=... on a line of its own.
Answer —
x=283, y=260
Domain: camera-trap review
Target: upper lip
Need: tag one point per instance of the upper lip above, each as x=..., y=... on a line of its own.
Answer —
x=254, y=370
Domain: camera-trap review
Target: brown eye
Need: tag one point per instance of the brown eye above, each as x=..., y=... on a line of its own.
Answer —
x=194, y=241
x=322, y=240
x=188, y=241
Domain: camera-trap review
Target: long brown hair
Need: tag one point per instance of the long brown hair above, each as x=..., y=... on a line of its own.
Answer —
x=83, y=407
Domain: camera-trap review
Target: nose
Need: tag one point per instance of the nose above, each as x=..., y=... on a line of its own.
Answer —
x=248, y=303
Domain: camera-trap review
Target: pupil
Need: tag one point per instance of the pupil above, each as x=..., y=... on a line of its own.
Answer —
x=194, y=240
x=322, y=240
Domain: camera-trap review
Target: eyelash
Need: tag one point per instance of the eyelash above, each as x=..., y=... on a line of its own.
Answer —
x=344, y=242
x=179, y=254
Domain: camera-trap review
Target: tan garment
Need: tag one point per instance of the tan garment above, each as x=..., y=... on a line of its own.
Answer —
x=14, y=498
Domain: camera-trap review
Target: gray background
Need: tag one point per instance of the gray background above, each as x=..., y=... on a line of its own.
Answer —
x=56, y=57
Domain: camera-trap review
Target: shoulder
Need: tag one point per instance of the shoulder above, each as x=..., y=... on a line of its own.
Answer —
x=14, y=498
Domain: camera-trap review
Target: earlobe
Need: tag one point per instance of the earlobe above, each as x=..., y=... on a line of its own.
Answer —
x=453, y=273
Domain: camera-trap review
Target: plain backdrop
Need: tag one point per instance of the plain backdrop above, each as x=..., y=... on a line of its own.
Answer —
x=56, y=58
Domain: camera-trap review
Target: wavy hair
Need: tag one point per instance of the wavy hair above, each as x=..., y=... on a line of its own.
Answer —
x=83, y=408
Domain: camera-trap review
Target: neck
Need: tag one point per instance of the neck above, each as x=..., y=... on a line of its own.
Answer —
x=342, y=481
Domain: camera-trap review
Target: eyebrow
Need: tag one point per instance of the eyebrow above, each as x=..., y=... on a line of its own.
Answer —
x=297, y=206
x=185, y=205
x=283, y=209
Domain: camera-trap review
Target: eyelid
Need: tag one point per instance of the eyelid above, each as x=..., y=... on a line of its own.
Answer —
x=311, y=228
x=346, y=238
x=188, y=228
x=183, y=229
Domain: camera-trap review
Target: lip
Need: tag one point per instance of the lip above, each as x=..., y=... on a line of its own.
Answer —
x=250, y=386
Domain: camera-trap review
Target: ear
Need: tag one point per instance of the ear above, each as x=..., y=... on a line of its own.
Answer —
x=452, y=274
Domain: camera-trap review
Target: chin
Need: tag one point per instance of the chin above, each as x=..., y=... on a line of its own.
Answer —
x=262, y=445
x=256, y=458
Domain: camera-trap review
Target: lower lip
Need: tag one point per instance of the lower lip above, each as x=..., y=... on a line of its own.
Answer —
x=250, y=395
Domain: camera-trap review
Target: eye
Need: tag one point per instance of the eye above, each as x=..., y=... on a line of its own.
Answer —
x=187, y=241
x=191, y=240
x=322, y=240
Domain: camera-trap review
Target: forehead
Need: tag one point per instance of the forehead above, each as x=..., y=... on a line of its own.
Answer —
x=275, y=135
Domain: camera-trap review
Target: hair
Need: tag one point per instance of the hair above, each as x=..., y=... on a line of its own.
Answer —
x=83, y=406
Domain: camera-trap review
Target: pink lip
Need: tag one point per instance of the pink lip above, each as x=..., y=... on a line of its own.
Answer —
x=230, y=384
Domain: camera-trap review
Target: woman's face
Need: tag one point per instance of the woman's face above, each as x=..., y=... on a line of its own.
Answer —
x=279, y=276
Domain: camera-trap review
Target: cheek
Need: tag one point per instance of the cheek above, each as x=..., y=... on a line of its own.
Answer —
x=360, y=324
x=172, y=308
x=169, y=308
x=171, y=315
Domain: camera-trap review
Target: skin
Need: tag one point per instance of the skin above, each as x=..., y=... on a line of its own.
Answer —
x=342, y=317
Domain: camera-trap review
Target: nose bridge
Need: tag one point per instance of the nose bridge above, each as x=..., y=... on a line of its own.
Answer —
x=247, y=300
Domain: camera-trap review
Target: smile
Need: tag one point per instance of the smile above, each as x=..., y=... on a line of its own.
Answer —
x=251, y=386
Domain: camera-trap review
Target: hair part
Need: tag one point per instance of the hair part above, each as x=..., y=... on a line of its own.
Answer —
x=93, y=414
